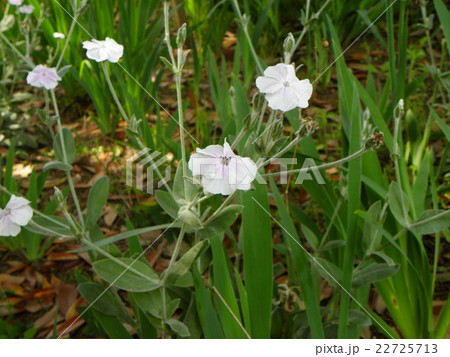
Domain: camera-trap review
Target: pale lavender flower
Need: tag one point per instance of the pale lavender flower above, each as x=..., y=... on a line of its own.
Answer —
x=221, y=171
x=43, y=77
x=26, y=9
x=15, y=2
x=17, y=213
x=284, y=91
x=103, y=50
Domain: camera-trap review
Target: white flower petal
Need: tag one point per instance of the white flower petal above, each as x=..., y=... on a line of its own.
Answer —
x=285, y=99
x=7, y=228
x=16, y=202
x=88, y=45
x=279, y=72
x=268, y=84
x=21, y=216
x=97, y=54
x=211, y=150
x=218, y=187
x=246, y=172
x=204, y=165
x=304, y=91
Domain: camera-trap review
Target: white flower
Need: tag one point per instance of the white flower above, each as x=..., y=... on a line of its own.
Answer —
x=26, y=9
x=16, y=213
x=283, y=89
x=15, y=2
x=103, y=50
x=43, y=77
x=58, y=35
x=221, y=171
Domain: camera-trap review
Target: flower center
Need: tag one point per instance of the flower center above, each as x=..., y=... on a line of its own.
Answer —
x=286, y=84
x=224, y=160
x=7, y=212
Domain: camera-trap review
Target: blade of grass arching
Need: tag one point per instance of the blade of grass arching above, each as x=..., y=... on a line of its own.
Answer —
x=443, y=322
x=208, y=317
x=32, y=241
x=391, y=50
x=419, y=190
x=375, y=115
x=354, y=196
x=402, y=38
x=444, y=17
x=300, y=259
x=242, y=107
x=243, y=299
x=384, y=325
x=222, y=282
x=257, y=257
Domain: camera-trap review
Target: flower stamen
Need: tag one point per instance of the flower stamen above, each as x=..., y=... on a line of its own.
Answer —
x=225, y=160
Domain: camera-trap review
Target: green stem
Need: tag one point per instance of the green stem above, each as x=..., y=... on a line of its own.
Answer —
x=63, y=149
x=238, y=139
x=14, y=48
x=289, y=55
x=174, y=257
x=324, y=166
x=66, y=43
x=181, y=122
x=221, y=207
x=247, y=35
x=113, y=92
x=115, y=260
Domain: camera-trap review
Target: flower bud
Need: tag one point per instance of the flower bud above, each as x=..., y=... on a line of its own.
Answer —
x=187, y=216
x=288, y=43
x=277, y=130
x=181, y=36
x=60, y=198
x=399, y=110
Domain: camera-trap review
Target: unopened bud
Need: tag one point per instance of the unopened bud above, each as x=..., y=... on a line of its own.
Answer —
x=399, y=110
x=277, y=130
x=288, y=43
x=181, y=36
x=187, y=216
x=60, y=198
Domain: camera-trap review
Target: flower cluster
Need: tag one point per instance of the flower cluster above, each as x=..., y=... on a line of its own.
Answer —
x=17, y=213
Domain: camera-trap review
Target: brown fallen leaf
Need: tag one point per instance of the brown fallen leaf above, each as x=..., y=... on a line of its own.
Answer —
x=72, y=311
x=66, y=296
x=62, y=256
x=12, y=278
x=67, y=327
x=33, y=306
x=48, y=319
x=16, y=289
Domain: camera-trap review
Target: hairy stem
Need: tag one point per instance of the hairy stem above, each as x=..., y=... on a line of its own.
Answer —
x=63, y=149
